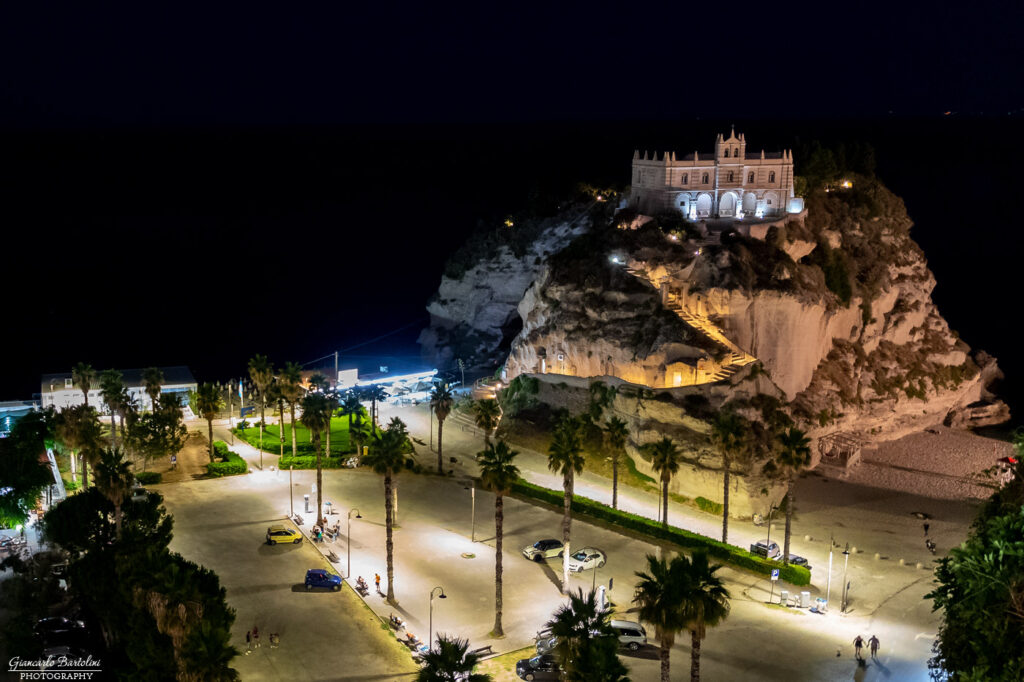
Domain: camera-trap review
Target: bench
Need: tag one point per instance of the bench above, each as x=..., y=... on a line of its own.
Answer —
x=483, y=651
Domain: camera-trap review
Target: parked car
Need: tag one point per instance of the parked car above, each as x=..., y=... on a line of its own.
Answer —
x=57, y=625
x=546, y=645
x=766, y=549
x=278, y=534
x=631, y=635
x=543, y=667
x=586, y=558
x=543, y=549
x=139, y=493
x=319, y=577
x=797, y=560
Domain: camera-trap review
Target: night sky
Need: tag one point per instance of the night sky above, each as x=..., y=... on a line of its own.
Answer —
x=195, y=186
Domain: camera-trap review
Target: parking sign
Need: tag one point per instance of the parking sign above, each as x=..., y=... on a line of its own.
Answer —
x=775, y=574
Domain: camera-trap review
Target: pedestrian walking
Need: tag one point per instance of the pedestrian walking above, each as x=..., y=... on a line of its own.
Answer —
x=376, y=580
x=873, y=642
x=256, y=637
x=248, y=642
x=858, y=644
x=926, y=527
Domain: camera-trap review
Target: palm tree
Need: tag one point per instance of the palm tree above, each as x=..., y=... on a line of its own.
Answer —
x=374, y=393
x=351, y=407
x=128, y=409
x=291, y=390
x=153, y=378
x=728, y=433
x=659, y=595
x=586, y=645
x=114, y=479
x=615, y=434
x=332, y=406
x=705, y=603
x=316, y=416
x=565, y=456
x=262, y=374
x=111, y=387
x=319, y=381
x=487, y=414
x=498, y=473
x=79, y=429
x=274, y=395
x=441, y=401
x=360, y=434
x=206, y=654
x=794, y=455
x=665, y=459
x=450, y=661
x=388, y=456
x=83, y=375
x=209, y=402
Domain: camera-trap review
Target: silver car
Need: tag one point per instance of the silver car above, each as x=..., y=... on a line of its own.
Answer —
x=631, y=635
x=543, y=549
x=586, y=558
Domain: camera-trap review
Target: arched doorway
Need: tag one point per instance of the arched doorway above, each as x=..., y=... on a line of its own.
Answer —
x=703, y=205
x=683, y=204
x=749, y=203
x=771, y=202
x=727, y=205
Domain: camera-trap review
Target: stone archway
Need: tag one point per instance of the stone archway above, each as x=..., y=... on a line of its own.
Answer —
x=727, y=205
x=704, y=205
x=749, y=203
x=683, y=203
x=771, y=202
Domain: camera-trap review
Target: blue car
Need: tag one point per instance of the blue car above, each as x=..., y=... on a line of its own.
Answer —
x=319, y=577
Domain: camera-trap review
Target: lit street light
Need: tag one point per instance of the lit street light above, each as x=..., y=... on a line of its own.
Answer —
x=430, y=633
x=846, y=585
x=348, y=534
x=472, y=510
x=291, y=503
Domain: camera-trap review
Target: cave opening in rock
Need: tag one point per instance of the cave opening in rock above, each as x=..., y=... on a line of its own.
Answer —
x=509, y=329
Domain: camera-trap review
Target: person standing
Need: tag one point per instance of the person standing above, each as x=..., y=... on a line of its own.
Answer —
x=858, y=644
x=248, y=642
x=376, y=580
x=873, y=642
x=256, y=637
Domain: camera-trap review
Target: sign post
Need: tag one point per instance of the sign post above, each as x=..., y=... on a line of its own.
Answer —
x=775, y=576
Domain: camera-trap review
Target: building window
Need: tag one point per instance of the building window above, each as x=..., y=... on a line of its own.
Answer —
x=727, y=153
x=704, y=178
x=750, y=178
x=686, y=178
x=771, y=176
x=730, y=176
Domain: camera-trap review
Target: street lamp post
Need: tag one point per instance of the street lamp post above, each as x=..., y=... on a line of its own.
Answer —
x=291, y=502
x=828, y=582
x=768, y=542
x=348, y=542
x=846, y=564
x=472, y=510
x=430, y=632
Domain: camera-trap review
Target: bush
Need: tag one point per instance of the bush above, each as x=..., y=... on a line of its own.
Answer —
x=707, y=505
x=309, y=462
x=220, y=450
x=795, y=575
x=232, y=465
x=72, y=486
x=149, y=477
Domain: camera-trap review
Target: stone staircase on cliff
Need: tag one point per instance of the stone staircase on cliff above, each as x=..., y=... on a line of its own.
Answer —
x=736, y=358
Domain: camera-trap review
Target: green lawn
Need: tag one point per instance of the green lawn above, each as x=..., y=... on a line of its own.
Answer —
x=271, y=435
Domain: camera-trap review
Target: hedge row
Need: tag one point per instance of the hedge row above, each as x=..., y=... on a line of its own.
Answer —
x=309, y=462
x=148, y=477
x=795, y=575
x=233, y=465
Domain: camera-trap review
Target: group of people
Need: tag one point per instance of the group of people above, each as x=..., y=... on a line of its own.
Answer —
x=252, y=640
x=317, y=533
x=858, y=644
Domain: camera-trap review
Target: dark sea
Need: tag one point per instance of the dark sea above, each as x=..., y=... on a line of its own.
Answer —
x=203, y=247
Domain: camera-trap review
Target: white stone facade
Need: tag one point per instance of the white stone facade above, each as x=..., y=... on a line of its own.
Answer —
x=729, y=183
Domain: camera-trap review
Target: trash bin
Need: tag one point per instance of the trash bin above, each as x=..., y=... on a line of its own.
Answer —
x=306, y=498
x=805, y=600
x=784, y=597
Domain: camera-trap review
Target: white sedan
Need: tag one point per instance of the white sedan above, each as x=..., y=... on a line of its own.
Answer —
x=586, y=558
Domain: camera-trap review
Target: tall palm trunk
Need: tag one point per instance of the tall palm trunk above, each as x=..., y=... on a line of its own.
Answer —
x=117, y=519
x=280, y=425
x=789, y=522
x=328, y=451
x=209, y=423
x=295, y=443
x=113, y=429
x=389, y=545
x=440, y=432
x=263, y=407
x=725, y=498
x=85, y=470
x=615, y=481
x=499, y=520
x=319, y=480
x=664, y=502
x=663, y=654
x=694, y=656
x=567, y=484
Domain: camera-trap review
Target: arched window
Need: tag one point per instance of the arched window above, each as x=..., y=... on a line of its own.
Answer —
x=704, y=178
x=686, y=178
x=771, y=176
x=727, y=153
x=730, y=176
x=750, y=177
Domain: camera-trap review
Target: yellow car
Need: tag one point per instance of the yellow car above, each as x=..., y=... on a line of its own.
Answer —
x=279, y=534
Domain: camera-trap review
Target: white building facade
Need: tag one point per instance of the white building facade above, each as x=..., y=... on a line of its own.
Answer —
x=60, y=390
x=729, y=183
